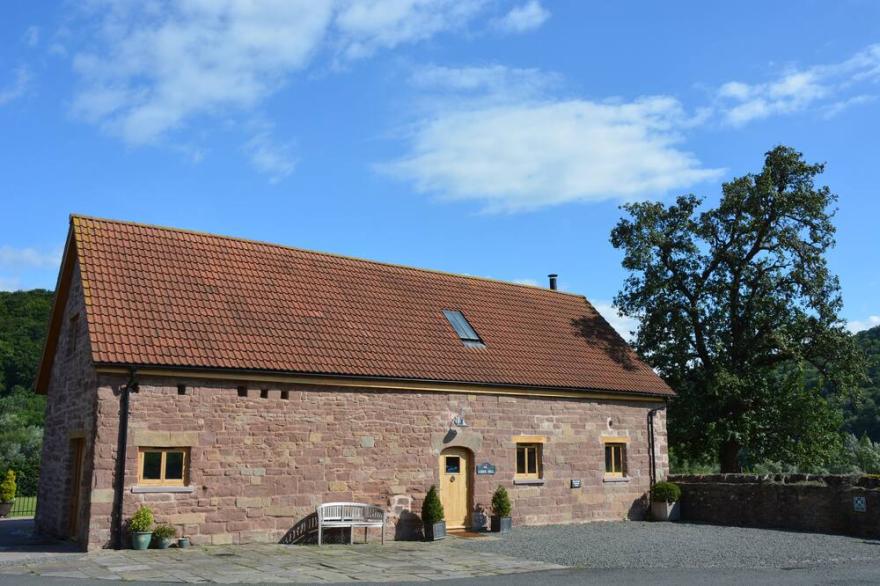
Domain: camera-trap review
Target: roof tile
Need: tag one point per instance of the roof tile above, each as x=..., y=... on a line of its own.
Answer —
x=167, y=297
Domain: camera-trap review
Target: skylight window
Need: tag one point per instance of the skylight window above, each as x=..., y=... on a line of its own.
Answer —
x=465, y=332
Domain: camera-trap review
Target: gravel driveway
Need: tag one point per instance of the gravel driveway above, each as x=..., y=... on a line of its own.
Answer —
x=675, y=545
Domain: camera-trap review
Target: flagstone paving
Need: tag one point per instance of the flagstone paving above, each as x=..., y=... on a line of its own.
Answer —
x=393, y=562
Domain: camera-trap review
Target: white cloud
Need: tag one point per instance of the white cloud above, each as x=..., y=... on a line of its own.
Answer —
x=28, y=257
x=523, y=18
x=529, y=282
x=18, y=87
x=522, y=154
x=496, y=83
x=622, y=324
x=798, y=90
x=155, y=66
x=269, y=157
x=32, y=36
x=859, y=325
x=365, y=26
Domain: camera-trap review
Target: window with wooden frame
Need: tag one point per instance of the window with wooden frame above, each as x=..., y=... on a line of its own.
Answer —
x=615, y=459
x=163, y=466
x=528, y=461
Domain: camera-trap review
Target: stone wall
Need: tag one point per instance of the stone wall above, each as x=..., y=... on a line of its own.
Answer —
x=260, y=465
x=70, y=413
x=797, y=501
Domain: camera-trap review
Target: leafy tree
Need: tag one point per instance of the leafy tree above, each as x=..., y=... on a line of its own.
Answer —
x=24, y=319
x=734, y=302
x=862, y=414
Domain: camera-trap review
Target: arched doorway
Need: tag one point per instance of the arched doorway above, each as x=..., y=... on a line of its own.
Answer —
x=456, y=486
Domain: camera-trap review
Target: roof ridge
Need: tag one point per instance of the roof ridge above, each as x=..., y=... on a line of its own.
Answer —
x=320, y=252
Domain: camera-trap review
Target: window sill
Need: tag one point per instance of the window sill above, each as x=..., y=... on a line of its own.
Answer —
x=529, y=481
x=615, y=479
x=160, y=489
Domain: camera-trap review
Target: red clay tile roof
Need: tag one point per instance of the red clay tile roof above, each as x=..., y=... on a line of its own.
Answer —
x=165, y=297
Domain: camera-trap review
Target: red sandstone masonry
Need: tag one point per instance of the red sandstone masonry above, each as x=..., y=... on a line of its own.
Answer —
x=258, y=466
x=70, y=411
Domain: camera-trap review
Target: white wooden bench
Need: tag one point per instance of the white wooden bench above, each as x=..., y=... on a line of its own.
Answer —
x=350, y=515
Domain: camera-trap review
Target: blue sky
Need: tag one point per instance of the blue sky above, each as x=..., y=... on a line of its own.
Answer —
x=484, y=137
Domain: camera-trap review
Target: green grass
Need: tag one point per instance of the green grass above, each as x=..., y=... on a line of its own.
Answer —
x=24, y=506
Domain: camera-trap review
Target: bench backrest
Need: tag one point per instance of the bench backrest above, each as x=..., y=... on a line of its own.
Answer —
x=343, y=512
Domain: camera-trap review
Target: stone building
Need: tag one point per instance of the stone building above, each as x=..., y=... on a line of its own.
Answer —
x=233, y=385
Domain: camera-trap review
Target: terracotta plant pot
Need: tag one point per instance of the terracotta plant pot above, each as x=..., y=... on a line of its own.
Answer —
x=436, y=531
x=501, y=524
x=141, y=539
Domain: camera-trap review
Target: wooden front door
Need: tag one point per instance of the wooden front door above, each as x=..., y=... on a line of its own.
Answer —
x=455, y=486
x=76, y=463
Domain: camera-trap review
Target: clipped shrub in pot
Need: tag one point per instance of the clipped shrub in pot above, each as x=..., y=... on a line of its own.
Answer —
x=8, y=489
x=164, y=535
x=141, y=525
x=501, y=521
x=433, y=517
x=665, y=497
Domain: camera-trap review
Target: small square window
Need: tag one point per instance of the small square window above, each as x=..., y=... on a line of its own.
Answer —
x=163, y=466
x=615, y=459
x=285, y=395
x=528, y=461
x=453, y=465
x=264, y=393
x=181, y=390
x=242, y=391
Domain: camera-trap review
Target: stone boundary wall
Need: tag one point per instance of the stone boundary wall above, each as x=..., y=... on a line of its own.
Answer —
x=802, y=502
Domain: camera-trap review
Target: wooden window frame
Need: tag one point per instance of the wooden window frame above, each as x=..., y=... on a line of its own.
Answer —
x=162, y=481
x=618, y=464
x=538, y=474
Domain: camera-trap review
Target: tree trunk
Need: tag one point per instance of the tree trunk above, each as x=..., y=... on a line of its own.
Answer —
x=729, y=457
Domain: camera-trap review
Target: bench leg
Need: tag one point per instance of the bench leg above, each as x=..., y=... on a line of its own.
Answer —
x=383, y=533
x=320, y=534
x=351, y=536
x=365, y=534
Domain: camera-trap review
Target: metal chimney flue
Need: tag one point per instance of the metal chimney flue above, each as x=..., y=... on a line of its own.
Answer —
x=553, y=281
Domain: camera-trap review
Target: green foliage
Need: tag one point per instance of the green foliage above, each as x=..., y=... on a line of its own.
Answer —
x=164, y=531
x=501, y=503
x=678, y=464
x=432, y=508
x=141, y=521
x=8, y=487
x=668, y=492
x=862, y=413
x=24, y=318
x=21, y=436
x=735, y=304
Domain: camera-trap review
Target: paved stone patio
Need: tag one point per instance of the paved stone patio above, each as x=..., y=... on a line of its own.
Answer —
x=393, y=562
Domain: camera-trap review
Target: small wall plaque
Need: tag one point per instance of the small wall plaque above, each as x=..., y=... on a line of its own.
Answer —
x=860, y=505
x=575, y=483
x=485, y=468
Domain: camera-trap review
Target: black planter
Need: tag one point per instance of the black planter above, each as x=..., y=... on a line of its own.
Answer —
x=5, y=508
x=435, y=531
x=501, y=524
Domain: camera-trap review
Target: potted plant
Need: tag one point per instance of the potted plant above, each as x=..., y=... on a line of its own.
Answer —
x=433, y=517
x=164, y=535
x=478, y=518
x=664, y=501
x=183, y=542
x=501, y=521
x=140, y=526
x=7, y=493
